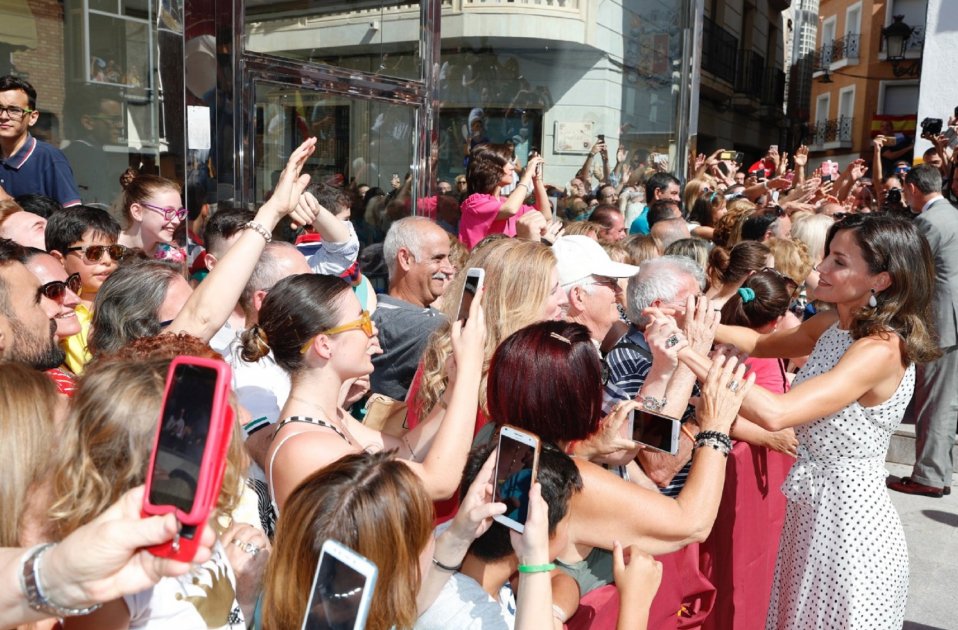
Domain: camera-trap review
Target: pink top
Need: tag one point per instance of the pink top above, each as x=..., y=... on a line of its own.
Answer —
x=478, y=220
x=770, y=374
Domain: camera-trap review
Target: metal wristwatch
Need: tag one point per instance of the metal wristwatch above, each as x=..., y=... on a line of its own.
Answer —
x=33, y=592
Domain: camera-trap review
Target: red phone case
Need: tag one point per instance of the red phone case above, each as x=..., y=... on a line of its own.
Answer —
x=212, y=468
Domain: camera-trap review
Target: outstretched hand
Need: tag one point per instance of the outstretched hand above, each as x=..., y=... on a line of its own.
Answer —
x=292, y=183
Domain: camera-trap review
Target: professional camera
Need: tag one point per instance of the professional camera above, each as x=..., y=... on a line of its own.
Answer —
x=931, y=126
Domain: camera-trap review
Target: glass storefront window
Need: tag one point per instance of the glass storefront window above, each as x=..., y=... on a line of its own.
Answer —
x=360, y=143
x=108, y=76
x=374, y=36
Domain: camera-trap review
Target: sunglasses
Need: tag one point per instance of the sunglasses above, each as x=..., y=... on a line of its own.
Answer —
x=94, y=253
x=168, y=213
x=364, y=323
x=57, y=289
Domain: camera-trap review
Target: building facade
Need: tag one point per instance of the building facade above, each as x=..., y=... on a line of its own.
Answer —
x=856, y=86
x=216, y=92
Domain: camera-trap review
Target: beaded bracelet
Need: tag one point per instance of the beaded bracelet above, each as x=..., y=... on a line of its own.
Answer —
x=536, y=568
x=715, y=444
x=715, y=435
x=259, y=229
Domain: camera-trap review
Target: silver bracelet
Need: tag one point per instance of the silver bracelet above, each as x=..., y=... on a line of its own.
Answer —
x=716, y=444
x=655, y=405
x=259, y=229
x=31, y=586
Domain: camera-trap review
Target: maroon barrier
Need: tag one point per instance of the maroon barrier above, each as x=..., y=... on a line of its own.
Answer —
x=725, y=582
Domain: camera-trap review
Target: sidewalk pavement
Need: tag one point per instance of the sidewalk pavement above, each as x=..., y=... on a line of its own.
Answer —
x=931, y=528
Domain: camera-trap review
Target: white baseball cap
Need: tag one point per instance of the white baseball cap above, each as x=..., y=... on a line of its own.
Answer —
x=580, y=257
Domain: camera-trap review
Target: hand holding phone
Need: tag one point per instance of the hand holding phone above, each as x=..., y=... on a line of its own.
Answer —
x=189, y=454
x=472, y=286
x=517, y=464
x=656, y=431
x=342, y=589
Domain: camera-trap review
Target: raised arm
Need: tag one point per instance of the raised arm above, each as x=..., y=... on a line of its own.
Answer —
x=869, y=369
x=513, y=203
x=610, y=508
x=542, y=195
x=782, y=344
x=437, y=448
x=211, y=303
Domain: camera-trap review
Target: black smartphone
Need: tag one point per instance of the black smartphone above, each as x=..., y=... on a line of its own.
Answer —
x=342, y=590
x=472, y=286
x=656, y=431
x=601, y=137
x=182, y=439
x=516, y=466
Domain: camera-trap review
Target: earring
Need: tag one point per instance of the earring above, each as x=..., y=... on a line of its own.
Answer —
x=872, y=302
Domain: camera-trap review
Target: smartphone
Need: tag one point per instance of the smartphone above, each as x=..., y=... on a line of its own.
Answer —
x=471, y=287
x=773, y=147
x=656, y=431
x=342, y=589
x=726, y=155
x=517, y=463
x=601, y=137
x=189, y=453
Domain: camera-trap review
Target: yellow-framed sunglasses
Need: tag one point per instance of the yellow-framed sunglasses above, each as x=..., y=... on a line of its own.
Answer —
x=364, y=323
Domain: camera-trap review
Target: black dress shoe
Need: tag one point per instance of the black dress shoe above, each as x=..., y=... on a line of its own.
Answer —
x=906, y=485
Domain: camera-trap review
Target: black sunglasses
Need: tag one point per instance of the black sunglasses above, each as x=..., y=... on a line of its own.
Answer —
x=94, y=253
x=58, y=288
x=789, y=282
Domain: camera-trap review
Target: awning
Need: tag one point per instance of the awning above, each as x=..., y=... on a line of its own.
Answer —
x=17, y=25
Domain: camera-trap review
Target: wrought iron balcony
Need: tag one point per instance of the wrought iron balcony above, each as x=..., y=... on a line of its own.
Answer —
x=832, y=52
x=719, y=49
x=751, y=73
x=831, y=131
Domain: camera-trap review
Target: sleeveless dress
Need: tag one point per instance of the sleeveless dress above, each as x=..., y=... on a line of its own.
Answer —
x=842, y=561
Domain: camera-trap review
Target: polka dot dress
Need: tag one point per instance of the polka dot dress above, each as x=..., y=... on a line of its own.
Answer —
x=842, y=562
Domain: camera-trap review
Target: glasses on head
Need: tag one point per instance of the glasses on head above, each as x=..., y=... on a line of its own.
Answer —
x=168, y=213
x=364, y=323
x=94, y=253
x=15, y=113
x=790, y=284
x=57, y=289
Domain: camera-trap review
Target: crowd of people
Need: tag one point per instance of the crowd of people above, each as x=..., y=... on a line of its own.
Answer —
x=783, y=307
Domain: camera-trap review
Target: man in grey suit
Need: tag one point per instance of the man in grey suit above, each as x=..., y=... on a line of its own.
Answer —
x=934, y=407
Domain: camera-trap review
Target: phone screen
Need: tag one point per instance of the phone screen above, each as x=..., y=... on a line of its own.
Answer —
x=514, y=477
x=469, y=290
x=337, y=595
x=186, y=425
x=652, y=430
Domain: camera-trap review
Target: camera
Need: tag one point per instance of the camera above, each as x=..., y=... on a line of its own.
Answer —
x=893, y=196
x=931, y=126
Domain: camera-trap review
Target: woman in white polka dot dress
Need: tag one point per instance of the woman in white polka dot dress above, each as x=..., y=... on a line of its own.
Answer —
x=842, y=562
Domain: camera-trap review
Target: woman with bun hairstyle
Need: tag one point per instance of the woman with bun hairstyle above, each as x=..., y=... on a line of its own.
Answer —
x=319, y=333
x=484, y=212
x=152, y=208
x=728, y=268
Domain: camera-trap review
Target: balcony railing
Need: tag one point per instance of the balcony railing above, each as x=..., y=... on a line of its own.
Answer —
x=836, y=130
x=832, y=52
x=751, y=73
x=719, y=48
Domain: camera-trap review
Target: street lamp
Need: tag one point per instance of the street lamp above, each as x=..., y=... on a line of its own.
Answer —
x=896, y=37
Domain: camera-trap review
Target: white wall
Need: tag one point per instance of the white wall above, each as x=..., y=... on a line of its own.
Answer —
x=938, y=94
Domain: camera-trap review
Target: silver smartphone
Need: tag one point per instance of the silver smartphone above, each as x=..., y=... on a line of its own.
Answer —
x=656, y=431
x=470, y=288
x=517, y=463
x=342, y=589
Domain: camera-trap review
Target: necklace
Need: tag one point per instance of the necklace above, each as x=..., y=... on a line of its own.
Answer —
x=334, y=419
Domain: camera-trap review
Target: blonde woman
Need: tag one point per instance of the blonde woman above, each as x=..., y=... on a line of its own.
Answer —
x=521, y=288
x=30, y=416
x=107, y=439
x=812, y=229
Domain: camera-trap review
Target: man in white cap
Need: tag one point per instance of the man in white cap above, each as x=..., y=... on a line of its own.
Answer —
x=590, y=278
